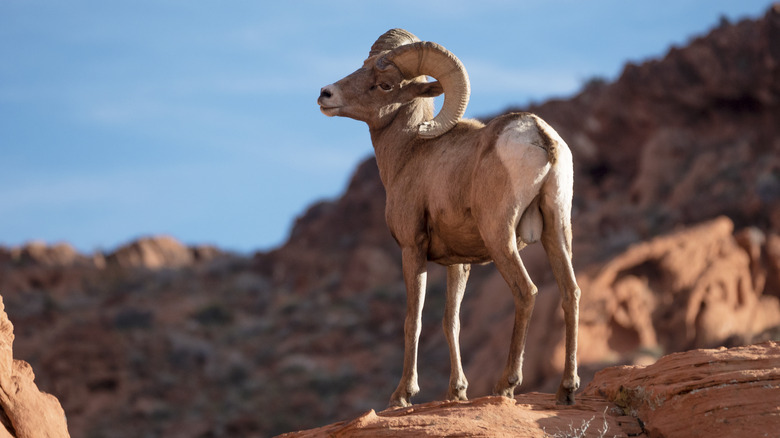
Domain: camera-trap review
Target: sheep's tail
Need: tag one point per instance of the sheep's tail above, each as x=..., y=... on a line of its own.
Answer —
x=549, y=139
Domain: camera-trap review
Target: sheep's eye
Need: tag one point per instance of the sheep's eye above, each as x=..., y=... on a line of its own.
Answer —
x=386, y=87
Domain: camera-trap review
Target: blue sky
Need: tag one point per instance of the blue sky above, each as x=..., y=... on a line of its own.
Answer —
x=198, y=119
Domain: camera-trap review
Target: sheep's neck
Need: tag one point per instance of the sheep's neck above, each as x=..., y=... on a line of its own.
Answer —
x=394, y=143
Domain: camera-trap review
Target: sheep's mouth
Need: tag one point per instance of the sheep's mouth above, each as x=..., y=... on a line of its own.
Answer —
x=329, y=111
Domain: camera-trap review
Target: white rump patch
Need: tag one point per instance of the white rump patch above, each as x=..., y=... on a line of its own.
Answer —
x=520, y=149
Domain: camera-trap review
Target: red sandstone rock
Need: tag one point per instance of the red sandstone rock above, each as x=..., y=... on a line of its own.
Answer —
x=692, y=288
x=772, y=257
x=152, y=253
x=528, y=415
x=30, y=413
x=689, y=289
x=701, y=393
x=39, y=253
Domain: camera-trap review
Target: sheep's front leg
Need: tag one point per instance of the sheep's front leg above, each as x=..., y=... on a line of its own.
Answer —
x=415, y=274
x=457, y=276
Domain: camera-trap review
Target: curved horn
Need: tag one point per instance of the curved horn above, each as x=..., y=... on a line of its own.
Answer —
x=390, y=40
x=431, y=59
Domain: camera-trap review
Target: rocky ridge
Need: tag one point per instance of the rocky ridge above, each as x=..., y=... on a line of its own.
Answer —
x=718, y=392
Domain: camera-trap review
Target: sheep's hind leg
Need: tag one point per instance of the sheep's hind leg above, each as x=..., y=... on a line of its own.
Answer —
x=507, y=260
x=556, y=239
x=415, y=275
x=457, y=276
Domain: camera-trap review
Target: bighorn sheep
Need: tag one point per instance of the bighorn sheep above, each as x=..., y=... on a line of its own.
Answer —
x=462, y=192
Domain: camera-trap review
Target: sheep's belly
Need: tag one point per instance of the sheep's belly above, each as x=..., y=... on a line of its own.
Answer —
x=452, y=246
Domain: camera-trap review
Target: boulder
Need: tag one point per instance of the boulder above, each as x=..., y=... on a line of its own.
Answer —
x=40, y=254
x=27, y=412
x=152, y=253
x=719, y=392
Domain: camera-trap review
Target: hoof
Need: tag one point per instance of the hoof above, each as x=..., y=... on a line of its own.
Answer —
x=398, y=403
x=508, y=392
x=506, y=386
x=459, y=395
x=400, y=399
x=564, y=396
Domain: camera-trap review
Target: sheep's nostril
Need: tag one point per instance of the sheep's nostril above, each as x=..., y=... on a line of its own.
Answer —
x=325, y=94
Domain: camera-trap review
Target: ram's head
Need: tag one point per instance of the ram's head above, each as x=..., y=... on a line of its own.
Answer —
x=394, y=74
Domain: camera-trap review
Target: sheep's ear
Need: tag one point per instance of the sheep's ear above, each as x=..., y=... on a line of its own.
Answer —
x=428, y=89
